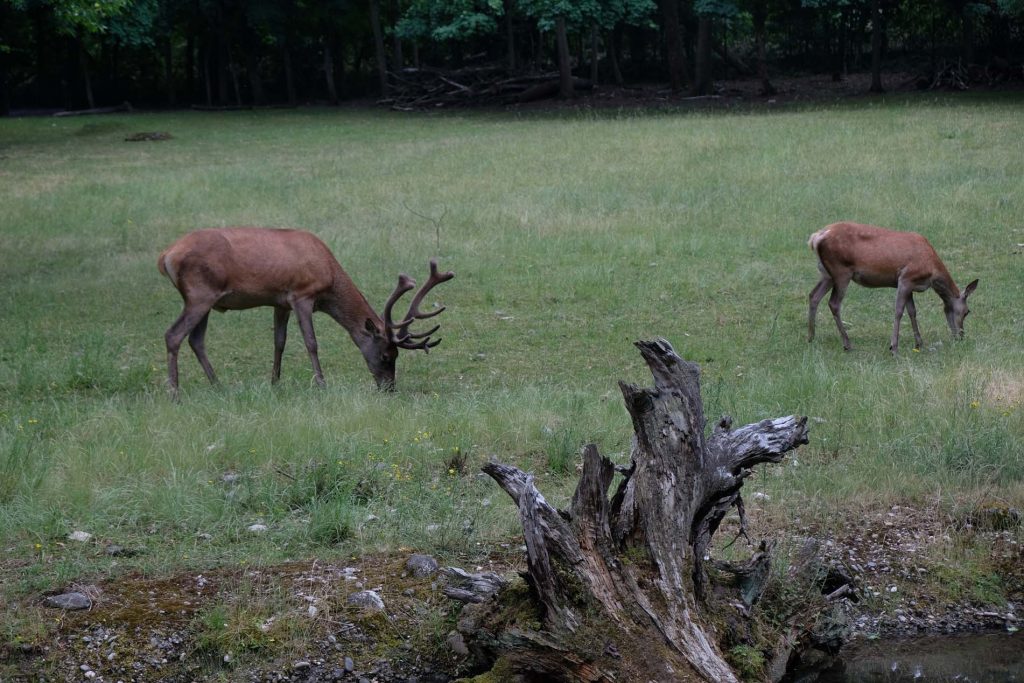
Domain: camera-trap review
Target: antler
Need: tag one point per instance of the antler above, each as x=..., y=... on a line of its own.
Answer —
x=400, y=331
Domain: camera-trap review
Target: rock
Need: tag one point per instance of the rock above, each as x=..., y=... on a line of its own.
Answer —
x=301, y=666
x=230, y=478
x=80, y=536
x=421, y=566
x=69, y=601
x=368, y=601
x=115, y=550
x=457, y=644
x=256, y=528
x=350, y=666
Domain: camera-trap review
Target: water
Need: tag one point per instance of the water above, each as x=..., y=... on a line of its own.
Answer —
x=977, y=658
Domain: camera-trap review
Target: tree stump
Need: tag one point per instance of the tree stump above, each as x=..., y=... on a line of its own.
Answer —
x=619, y=588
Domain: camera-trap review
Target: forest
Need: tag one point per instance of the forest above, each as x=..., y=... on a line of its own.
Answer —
x=86, y=54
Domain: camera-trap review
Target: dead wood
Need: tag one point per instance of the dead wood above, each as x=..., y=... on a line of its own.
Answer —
x=430, y=88
x=619, y=586
x=123, y=107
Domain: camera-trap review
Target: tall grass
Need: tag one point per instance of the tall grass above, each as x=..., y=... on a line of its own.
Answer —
x=571, y=236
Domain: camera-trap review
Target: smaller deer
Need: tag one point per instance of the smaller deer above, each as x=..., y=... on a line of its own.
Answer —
x=292, y=270
x=876, y=257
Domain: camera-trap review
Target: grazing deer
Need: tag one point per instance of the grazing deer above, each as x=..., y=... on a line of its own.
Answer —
x=227, y=269
x=876, y=257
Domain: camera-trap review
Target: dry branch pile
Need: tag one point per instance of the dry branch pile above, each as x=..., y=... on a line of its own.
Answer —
x=429, y=88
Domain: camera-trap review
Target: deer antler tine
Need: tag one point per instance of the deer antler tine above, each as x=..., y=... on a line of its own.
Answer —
x=400, y=331
x=405, y=283
x=424, y=335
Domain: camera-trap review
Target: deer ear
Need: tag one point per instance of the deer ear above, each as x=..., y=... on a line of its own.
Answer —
x=370, y=327
x=968, y=289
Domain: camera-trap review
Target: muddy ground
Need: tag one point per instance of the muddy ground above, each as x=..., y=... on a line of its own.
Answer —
x=293, y=622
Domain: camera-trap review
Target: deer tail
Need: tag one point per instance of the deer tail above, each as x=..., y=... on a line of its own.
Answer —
x=816, y=239
x=166, y=267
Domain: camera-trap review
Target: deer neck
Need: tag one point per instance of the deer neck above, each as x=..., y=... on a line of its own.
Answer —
x=945, y=287
x=347, y=305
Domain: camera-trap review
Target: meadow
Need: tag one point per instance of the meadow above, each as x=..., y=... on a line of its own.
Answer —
x=572, y=235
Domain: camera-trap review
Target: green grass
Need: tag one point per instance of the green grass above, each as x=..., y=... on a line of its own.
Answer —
x=571, y=236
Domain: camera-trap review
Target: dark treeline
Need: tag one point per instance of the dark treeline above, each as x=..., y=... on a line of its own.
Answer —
x=77, y=54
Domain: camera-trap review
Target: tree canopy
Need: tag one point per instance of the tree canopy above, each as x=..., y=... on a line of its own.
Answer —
x=77, y=53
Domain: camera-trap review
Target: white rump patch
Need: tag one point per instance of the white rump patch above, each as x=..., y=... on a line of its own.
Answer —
x=169, y=268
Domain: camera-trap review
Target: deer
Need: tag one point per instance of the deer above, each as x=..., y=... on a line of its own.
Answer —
x=878, y=257
x=237, y=268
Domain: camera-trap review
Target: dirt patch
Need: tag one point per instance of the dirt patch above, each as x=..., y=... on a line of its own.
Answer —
x=916, y=570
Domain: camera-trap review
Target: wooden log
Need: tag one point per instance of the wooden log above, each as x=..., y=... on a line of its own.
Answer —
x=620, y=584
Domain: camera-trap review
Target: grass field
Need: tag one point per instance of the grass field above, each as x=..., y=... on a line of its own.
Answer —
x=571, y=235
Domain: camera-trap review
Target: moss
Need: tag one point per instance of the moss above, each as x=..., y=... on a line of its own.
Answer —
x=748, y=662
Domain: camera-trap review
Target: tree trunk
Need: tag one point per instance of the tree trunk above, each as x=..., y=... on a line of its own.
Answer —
x=289, y=75
x=703, y=85
x=332, y=88
x=675, y=55
x=168, y=71
x=224, y=71
x=564, y=69
x=396, y=42
x=252, y=67
x=190, y=67
x=5, y=96
x=83, y=61
x=876, y=46
x=378, y=48
x=615, y=48
x=966, y=35
x=510, y=36
x=593, y=54
x=619, y=588
x=760, y=18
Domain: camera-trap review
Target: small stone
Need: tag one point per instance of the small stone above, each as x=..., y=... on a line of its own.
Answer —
x=433, y=528
x=90, y=674
x=350, y=666
x=85, y=667
x=368, y=601
x=421, y=566
x=69, y=601
x=256, y=528
x=409, y=592
x=312, y=611
x=80, y=536
x=301, y=666
x=457, y=643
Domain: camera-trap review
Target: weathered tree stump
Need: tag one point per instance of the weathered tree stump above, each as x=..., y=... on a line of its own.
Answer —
x=619, y=588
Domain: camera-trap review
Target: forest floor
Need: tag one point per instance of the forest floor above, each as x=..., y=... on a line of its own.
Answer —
x=218, y=625
x=747, y=92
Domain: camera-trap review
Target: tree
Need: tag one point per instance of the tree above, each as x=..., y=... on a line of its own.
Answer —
x=621, y=588
x=876, y=46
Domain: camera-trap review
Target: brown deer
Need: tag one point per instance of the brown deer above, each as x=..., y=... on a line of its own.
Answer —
x=292, y=270
x=876, y=257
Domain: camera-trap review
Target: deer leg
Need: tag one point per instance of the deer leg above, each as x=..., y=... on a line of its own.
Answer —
x=835, y=304
x=903, y=293
x=817, y=294
x=280, y=335
x=197, y=340
x=304, y=312
x=176, y=333
x=912, y=311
